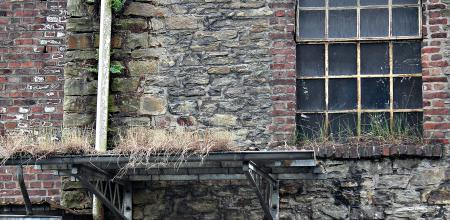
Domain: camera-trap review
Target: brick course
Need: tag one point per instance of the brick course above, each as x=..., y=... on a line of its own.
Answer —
x=32, y=46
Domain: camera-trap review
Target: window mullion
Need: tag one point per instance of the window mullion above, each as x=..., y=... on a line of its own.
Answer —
x=327, y=123
x=358, y=68
x=391, y=84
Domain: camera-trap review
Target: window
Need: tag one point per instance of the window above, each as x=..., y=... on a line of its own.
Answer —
x=358, y=60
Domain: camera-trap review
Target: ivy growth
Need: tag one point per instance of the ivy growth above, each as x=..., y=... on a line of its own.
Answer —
x=117, y=5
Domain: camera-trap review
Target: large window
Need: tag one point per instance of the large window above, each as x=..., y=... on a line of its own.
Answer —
x=358, y=61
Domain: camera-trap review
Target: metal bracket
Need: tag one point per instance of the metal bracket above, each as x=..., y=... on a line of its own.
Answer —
x=112, y=194
x=266, y=188
x=23, y=190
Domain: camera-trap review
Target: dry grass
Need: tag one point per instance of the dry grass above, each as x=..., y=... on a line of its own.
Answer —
x=45, y=143
x=140, y=144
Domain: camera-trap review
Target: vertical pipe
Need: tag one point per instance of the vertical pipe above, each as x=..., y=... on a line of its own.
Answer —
x=23, y=190
x=102, y=91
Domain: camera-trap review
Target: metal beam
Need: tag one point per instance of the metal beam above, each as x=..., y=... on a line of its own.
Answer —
x=101, y=197
x=23, y=190
x=117, y=159
x=266, y=189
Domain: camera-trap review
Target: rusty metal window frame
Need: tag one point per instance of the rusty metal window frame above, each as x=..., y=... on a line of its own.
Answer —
x=358, y=40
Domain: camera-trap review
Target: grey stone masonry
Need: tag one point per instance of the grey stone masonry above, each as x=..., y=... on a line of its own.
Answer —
x=188, y=63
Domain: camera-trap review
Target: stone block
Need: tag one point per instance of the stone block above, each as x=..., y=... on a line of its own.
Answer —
x=77, y=199
x=224, y=120
x=80, y=41
x=187, y=107
x=131, y=24
x=144, y=67
x=76, y=8
x=182, y=22
x=152, y=105
x=130, y=84
x=71, y=120
x=219, y=70
x=80, y=55
x=137, y=41
x=439, y=196
x=146, y=10
x=73, y=70
x=79, y=86
x=82, y=25
x=393, y=181
x=80, y=104
x=148, y=53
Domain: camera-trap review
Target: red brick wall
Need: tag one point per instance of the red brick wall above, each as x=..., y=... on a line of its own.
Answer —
x=32, y=45
x=435, y=66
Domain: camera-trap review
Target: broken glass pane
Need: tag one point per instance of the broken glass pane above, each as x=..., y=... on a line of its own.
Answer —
x=311, y=24
x=311, y=95
x=342, y=24
x=375, y=58
x=342, y=125
x=375, y=93
x=398, y=2
x=342, y=59
x=405, y=22
x=408, y=123
x=340, y=3
x=310, y=59
x=407, y=57
x=310, y=126
x=375, y=123
x=408, y=93
x=311, y=3
x=374, y=22
x=342, y=94
x=374, y=2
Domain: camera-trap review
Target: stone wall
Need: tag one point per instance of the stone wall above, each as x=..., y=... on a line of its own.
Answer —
x=351, y=189
x=191, y=63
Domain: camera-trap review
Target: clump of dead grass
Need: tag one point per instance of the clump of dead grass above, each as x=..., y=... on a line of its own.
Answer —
x=140, y=144
x=43, y=143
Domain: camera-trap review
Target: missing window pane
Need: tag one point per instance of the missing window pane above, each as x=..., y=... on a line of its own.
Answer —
x=340, y=3
x=375, y=58
x=407, y=57
x=310, y=95
x=342, y=24
x=375, y=93
x=408, y=93
x=374, y=2
x=405, y=22
x=312, y=24
x=310, y=59
x=374, y=22
x=311, y=3
x=342, y=125
x=375, y=124
x=342, y=59
x=310, y=126
x=408, y=123
x=342, y=94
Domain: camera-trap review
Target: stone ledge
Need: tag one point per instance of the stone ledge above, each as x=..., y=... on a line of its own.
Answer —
x=373, y=152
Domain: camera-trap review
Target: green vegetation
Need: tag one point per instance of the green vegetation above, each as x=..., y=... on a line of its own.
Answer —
x=116, y=68
x=117, y=5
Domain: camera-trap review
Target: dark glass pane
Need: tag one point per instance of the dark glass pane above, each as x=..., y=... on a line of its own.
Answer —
x=374, y=2
x=377, y=124
x=339, y=3
x=375, y=93
x=407, y=57
x=405, y=22
x=375, y=58
x=310, y=59
x=311, y=3
x=311, y=95
x=342, y=59
x=374, y=22
x=342, y=94
x=409, y=123
x=310, y=125
x=408, y=93
x=312, y=24
x=397, y=2
x=342, y=125
x=342, y=24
